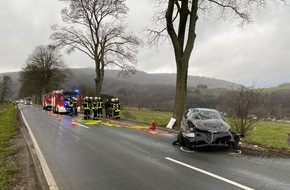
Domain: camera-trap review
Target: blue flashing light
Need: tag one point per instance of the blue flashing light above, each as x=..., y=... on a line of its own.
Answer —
x=66, y=105
x=76, y=91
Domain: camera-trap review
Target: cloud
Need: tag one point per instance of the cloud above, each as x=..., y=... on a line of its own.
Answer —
x=258, y=52
x=24, y=25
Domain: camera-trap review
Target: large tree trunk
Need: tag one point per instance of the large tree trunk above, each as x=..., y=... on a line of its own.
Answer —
x=100, y=73
x=182, y=53
x=99, y=81
x=180, y=91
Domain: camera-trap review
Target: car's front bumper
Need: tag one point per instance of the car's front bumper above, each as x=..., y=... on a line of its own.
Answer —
x=200, y=139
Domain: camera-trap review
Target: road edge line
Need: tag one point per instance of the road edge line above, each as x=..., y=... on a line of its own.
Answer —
x=47, y=173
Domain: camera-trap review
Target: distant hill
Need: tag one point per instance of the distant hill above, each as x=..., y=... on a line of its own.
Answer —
x=113, y=81
x=143, y=78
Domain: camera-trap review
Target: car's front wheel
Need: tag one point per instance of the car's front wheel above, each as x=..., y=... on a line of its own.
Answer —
x=237, y=141
x=180, y=139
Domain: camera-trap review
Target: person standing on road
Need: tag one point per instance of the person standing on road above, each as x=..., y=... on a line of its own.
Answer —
x=117, y=109
x=95, y=108
x=100, y=107
x=86, y=107
x=75, y=105
x=71, y=107
x=113, y=107
x=90, y=105
x=108, y=108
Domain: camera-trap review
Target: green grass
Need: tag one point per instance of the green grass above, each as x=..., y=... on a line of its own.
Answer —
x=270, y=134
x=266, y=133
x=146, y=116
x=7, y=130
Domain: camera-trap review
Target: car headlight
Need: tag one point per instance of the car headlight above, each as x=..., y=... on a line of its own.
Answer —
x=191, y=135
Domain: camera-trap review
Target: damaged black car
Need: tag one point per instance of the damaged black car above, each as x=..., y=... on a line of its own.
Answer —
x=202, y=127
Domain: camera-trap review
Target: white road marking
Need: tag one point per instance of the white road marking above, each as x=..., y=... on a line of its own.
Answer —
x=210, y=174
x=49, y=177
x=82, y=125
x=76, y=123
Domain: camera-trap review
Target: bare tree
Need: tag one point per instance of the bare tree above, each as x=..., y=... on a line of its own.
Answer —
x=44, y=71
x=181, y=18
x=5, y=87
x=96, y=29
x=242, y=105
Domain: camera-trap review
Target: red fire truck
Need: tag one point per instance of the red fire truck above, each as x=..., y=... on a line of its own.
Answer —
x=61, y=98
x=46, y=101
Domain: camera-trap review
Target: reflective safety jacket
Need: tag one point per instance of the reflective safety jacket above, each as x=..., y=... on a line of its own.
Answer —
x=117, y=107
x=86, y=105
x=95, y=105
x=71, y=104
x=100, y=104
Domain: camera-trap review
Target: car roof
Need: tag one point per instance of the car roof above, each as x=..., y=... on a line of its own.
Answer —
x=203, y=109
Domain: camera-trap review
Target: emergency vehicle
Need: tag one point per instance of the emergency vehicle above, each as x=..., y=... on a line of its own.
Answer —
x=46, y=101
x=60, y=100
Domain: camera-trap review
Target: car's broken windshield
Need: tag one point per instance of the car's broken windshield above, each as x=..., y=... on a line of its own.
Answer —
x=202, y=114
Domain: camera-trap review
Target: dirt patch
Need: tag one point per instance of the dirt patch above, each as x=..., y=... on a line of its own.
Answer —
x=254, y=150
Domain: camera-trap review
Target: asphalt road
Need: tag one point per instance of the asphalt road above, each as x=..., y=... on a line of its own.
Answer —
x=101, y=156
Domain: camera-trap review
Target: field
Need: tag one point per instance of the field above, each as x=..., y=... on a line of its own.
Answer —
x=7, y=130
x=146, y=116
x=266, y=133
x=270, y=134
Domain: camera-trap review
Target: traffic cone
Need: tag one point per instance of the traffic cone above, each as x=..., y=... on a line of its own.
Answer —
x=59, y=117
x=153, y=125
x=73, y=123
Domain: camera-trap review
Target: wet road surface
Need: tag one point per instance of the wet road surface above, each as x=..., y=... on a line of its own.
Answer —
x=102, y=156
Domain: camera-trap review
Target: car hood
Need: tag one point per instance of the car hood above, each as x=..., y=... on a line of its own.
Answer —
x=211, y=125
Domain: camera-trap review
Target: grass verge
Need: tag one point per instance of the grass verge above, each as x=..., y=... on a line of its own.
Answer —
x=7, y=130
x=270, y=135
x=146, y=116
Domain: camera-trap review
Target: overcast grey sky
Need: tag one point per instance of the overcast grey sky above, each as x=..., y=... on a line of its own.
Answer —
x=258, y=53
